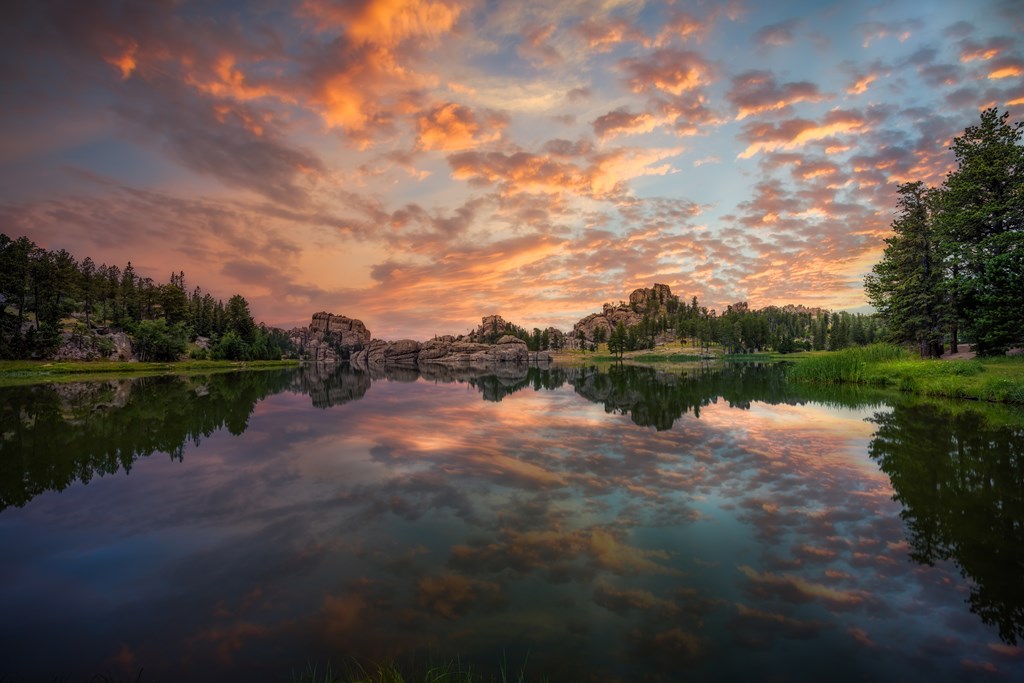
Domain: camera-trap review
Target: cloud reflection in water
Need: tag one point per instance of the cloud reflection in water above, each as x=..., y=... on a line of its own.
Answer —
x=590, y=522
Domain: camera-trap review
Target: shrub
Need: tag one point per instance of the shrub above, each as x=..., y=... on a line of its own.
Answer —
x=156, y=340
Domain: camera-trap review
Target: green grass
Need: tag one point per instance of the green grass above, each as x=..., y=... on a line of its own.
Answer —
x=748, y=356
x=989, y=379
x=664, y=358
x=17, y=372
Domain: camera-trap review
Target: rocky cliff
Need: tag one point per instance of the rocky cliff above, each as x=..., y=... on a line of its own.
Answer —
x=330, y=338
x=649, y=301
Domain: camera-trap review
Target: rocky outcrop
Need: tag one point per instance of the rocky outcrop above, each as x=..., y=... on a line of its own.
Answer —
x=652, y=301
x=379, y=352
x=100, y=346
x=449, y=351
x=330, y=338
x=492, y=328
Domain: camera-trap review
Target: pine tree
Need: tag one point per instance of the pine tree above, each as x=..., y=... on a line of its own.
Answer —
x=906, y=285
x=981, y=224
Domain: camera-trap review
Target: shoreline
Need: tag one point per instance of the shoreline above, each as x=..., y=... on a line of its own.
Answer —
x=21, y=372
x=993, y=380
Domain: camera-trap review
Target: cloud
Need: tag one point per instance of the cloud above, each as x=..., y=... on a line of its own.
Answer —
x=451, y=127
x=795, y=133
x=756, y=92
x=225, y=142
x=668, y=70
x=776, y=35
x=623, y=122
x=387, y=23
x=1005, y=67
x=598, y=174
x=871, y=31
x=536, y=46
x=984, y=51
x=604, y=34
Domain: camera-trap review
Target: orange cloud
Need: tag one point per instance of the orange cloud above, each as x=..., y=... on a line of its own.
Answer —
x=768, y=137
x=623, y=122
x=990, y=49
x=755, y=92
x=230, y=82
x=601, y=174
x=125, y=59
x=451, y=127
x=1006, y=68
x=384, y=22
x=669, y=70
x=860, y=86
x=602, y=35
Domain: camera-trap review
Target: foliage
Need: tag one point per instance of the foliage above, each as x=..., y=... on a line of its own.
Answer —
x=39, y=289
x=905, y=286
x=617, y=340
x=989, y=379
x=847, y=365
x=155, y=340
x=955, y=263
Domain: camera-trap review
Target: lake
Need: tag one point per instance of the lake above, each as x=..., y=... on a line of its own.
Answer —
x=705, y=523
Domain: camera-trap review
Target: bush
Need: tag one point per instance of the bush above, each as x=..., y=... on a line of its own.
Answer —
x=156, y=340
x=232, y=347
x=103, y=346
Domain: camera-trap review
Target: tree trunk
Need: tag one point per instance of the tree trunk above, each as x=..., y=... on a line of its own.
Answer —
x=954, y=341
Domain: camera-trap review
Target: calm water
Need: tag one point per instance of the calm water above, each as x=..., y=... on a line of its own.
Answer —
x=640, y=525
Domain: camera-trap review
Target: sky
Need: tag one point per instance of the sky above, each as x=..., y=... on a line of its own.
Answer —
x=418, y=164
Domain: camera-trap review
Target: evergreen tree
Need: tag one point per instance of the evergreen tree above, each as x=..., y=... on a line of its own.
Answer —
x=981, y=223
x=617, y=340
x=906, y=285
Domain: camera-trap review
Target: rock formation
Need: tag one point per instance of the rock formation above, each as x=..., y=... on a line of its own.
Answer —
x=651, y=302
x=330, y=338
x=448, y=351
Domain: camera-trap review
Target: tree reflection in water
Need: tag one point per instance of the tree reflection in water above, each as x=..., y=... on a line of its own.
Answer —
x=959, y=474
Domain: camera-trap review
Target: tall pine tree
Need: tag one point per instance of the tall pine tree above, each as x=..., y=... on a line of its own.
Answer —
x=906, y=285
x=981, y=225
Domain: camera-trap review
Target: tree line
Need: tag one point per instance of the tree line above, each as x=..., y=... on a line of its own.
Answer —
x=739, y=329
x=953, y=270
x=48, y=298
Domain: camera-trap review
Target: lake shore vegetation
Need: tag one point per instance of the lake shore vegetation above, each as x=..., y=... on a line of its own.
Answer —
x=18, y=372
x=999, y=379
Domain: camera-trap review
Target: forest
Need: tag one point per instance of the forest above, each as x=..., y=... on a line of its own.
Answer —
x=48, y=298
x=953, y=270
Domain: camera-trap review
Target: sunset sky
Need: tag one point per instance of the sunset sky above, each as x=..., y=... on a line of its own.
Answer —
x=420, y=163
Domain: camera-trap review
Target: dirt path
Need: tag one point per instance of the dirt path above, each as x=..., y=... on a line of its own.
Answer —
x=963, y=352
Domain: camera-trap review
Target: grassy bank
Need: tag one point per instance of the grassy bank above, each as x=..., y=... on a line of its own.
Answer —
x=989, y=379
x=30, y=371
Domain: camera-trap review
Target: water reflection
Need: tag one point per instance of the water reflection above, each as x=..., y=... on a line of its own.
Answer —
x=626, y=525
x=959, y=475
